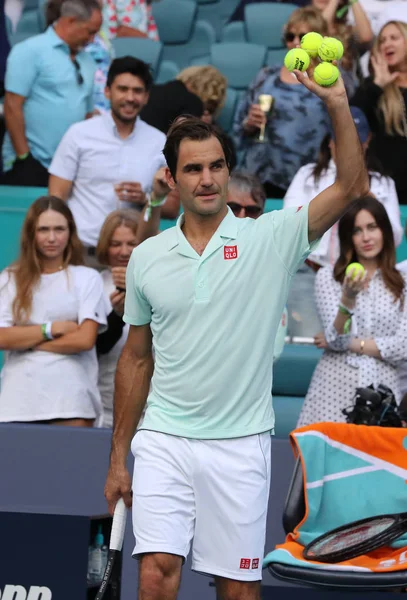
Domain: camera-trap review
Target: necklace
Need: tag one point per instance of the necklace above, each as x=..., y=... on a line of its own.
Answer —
x=60, y=268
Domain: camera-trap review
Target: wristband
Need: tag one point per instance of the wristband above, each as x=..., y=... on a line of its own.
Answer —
x=362, y=346
x=46, y=331
x=344, y=310
x=23, y=156
x=153, y=203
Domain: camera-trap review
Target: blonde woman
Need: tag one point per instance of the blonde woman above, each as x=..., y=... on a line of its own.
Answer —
x=209, y=85
x=51, y=309
x=122, y=231
x=199, y=91
x=383, y=98
x=298, y=121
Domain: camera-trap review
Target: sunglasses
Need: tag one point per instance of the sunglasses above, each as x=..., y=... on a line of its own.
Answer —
x=251, y=210
x=79, y=77
x=290, y=36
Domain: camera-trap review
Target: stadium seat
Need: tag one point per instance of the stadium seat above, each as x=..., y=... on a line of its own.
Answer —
x=225, y=119
x=185, y=37
x=264, y=23
x=239, y=62
x=167, y=71
x=27, y=26
x=234, y=32
x=145, y=49
x=275, y=57
x=297, y=359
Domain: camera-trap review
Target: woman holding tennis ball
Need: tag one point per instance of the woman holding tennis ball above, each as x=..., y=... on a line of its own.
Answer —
x=362, y=305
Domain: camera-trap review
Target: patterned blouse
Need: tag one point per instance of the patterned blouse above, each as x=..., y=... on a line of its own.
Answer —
x=295, y=129
x=340, y=371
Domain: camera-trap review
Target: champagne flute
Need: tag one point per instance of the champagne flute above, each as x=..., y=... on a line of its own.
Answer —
x=266, y=103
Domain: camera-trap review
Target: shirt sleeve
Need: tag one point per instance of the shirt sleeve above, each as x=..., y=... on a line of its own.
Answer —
x=393, y=348
x=6, y=300
x=92, y=301
x=290, y=236
x=137, y=309
x=327, y=297
x=390, y=201
x=295, y=194
x=20, y=79
x=66, y=158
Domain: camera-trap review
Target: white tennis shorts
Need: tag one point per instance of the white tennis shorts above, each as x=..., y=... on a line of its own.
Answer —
x=211, y=493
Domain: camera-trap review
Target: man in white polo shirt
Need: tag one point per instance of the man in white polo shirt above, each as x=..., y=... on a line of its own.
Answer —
x=109, y=161
x=209, y=294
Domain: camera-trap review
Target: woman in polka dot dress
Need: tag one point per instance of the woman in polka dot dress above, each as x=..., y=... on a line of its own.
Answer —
x=364, y=317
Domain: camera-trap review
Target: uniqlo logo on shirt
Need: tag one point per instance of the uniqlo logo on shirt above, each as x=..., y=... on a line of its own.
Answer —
x=229, y=252
x=298, y=209
x=245, y=563
x=255, y=563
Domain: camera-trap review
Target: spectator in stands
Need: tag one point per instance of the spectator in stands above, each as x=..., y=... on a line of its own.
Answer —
x=348, y=22
x=383, y=98
x=117, y=239
x=364, y=318
x=100, y=50
x=246, y=198
x=198, y=91
x=297, y=123
x=49, y=82
x=122, y=231
x=51, y=308
x=308, y=183
x=109, y=161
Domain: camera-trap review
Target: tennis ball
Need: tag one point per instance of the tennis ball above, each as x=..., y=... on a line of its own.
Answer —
x=310, y=42
x=330, y=49
x=297, y=59
x=356, y=268
x=326, y=74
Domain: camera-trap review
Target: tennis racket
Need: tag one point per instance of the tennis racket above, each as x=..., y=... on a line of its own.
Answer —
x=357, y=538
x=115, y=548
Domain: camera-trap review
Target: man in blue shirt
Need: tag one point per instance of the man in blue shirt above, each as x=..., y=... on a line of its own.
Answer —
x=49, y=85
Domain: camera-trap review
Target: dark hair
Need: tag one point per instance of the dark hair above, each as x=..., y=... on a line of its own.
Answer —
x=387, y=257
x=52, y=9
x=373, y=164
x=132, y=65
x=187, y=127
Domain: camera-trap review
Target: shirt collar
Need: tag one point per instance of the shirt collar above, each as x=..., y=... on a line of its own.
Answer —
x=54, y=37
x=227, y=229
x=112, y=126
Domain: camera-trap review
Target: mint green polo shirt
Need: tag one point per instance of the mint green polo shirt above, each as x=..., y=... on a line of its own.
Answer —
x=214, y=320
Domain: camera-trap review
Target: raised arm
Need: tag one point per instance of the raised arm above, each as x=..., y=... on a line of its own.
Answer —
x=132, y=384
x=352, y=180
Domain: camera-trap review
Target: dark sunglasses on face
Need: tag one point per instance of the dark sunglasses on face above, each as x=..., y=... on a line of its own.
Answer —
x=290, y=36
x=79, y=77
x=251, y=210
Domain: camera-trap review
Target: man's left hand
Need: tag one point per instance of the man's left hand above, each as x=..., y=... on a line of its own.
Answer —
x=330, y=94
x=160, y=185
x=131, y=191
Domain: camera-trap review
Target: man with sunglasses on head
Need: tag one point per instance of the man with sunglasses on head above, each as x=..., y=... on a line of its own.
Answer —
x=49, y=86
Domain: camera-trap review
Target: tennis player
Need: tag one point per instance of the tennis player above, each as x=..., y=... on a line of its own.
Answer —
x=208, y=294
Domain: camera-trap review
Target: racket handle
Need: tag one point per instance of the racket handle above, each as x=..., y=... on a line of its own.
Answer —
x=118, y=526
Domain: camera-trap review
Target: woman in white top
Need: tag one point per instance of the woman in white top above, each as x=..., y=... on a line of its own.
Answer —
x=51, y=308
x=309, y=181
x=364, y=318
x=118, y=238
